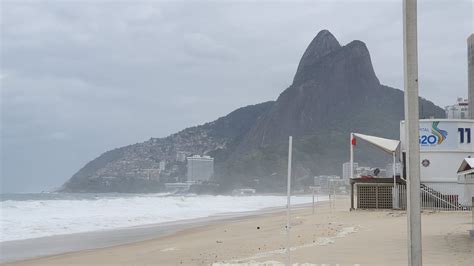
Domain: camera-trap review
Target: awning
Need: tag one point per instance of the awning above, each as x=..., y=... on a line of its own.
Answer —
x=388, y=145
x=467, y=166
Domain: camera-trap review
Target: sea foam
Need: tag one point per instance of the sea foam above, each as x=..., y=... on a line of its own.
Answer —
x=38, y=218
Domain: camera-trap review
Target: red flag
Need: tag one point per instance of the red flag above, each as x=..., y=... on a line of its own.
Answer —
x=354, y=141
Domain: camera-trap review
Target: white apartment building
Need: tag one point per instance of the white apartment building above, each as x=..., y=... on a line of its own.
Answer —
x=398, y=169
x=460, y=110
x=346, y=170
x=200, y=168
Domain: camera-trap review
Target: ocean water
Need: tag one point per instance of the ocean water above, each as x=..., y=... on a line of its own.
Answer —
x=25, y=216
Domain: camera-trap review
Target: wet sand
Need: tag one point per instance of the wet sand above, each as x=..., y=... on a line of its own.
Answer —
x=332, y=235
x=58, y=244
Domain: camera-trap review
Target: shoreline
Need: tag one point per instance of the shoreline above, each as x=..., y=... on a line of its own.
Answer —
x=333, y=235
x=14, y=250
x=69, y=214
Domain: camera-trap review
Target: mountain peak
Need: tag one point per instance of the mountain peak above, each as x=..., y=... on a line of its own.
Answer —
x=325, y=52
x=358, y=47
x=323, y=44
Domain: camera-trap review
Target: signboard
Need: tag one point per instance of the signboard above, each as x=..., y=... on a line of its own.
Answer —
x=444, y=135
x=438, y=136
x=444, y=143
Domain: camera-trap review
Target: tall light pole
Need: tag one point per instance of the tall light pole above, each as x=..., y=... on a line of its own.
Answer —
x=410, y=54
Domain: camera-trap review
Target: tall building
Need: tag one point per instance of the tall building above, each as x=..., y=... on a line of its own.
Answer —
x=363, y=171
x=398, y=169
x=181, y=155
x=200, y=168
x=162, y=165
x=346, y=170
x=460, y=110
x=470, y=70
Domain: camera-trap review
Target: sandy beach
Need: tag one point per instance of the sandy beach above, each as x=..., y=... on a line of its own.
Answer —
x=332, y=235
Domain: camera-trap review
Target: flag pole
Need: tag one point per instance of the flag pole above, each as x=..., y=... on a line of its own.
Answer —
x=288, y=205
x=352, y=156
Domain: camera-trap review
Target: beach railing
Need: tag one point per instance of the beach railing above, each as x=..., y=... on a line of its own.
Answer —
x=433, y=196
x=436, y=197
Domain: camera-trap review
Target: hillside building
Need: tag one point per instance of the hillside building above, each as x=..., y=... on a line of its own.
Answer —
x=330, y=183
x=181, y=156
x=460, y=110
x=200, y=168
x=346, y=170
x=398, y=169
x=162, y=165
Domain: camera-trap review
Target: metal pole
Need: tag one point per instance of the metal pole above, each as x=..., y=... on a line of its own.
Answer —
x=412, y=131
x=471, y=232
x=334, y=195
x=313, y=200
x=395, y=199
x=472, y=209
x=352, y=196
x=329, y=192
x=288, y=212
x=352, y=157
x=394, y=171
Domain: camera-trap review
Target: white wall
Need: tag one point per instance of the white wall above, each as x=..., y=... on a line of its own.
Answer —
x=443, y=166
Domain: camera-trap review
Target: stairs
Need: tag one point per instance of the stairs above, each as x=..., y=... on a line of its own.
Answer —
x=434, y=199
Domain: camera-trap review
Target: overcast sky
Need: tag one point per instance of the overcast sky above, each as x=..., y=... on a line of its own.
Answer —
x=80, y=78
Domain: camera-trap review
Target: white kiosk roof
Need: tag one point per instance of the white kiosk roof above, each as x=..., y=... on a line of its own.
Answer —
x=388, y=145
x=467, y=166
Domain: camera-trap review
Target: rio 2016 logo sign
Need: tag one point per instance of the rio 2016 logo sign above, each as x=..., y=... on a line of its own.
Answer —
x=432, y=136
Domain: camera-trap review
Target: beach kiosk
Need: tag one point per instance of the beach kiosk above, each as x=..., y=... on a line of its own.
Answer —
x=466, y=180
x=374, y=192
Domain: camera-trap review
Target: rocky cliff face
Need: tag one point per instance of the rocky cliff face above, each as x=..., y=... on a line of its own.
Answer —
x=335, y=91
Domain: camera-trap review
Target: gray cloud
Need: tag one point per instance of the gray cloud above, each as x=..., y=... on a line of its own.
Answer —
x=80, y=78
